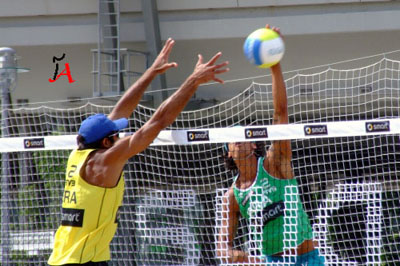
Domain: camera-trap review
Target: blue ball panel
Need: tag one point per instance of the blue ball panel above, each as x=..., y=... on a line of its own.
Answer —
x=251, y=49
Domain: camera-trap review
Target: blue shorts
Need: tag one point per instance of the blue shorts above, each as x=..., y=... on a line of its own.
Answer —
x=311, y=258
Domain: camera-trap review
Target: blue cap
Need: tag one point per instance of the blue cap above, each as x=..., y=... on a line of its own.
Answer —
x=99, y=126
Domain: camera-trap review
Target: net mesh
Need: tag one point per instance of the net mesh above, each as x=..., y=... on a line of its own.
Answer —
x=170, y=207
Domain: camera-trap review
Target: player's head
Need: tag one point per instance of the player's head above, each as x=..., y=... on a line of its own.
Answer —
x=236, y=151
x=98, y=127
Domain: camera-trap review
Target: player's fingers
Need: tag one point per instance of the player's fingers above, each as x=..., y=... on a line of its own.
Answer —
x=165, y=45
x=171, y=44
x=168, y=46
x=173, y=64
x=221, y=65
x=220, y=71
x=278, y=30
x=218, y=80
x=200, y=59
x=214, y=59
x=218, y=68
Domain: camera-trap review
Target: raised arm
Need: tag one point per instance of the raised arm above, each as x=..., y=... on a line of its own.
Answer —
x=279, y=154
x=132, y=96
x=170, y=108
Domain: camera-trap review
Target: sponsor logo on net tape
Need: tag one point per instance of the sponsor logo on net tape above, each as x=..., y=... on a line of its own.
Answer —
x=198, y=136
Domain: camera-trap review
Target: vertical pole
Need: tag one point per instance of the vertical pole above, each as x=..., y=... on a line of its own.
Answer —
x=8, y=76
x=6, y=174
x=153, y=37
x=99, y=91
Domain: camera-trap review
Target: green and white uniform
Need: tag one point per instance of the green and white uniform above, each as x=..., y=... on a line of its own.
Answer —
x=272, y=197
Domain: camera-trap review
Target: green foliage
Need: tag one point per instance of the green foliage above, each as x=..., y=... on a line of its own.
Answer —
x=391, y=228
x=348, y=224
x=40, y=198
x=34, y=200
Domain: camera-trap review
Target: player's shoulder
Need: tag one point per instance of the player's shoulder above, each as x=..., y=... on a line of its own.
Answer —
x=229, y=195
x=229, y=192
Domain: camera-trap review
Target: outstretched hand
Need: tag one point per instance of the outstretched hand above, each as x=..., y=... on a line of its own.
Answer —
x=276, y=29
x=161, y=64
x=276, y=67
x=205, y=72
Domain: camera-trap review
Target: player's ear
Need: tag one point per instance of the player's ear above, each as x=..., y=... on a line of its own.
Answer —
x=106, y=143
x=226, y=149
x=254, y=145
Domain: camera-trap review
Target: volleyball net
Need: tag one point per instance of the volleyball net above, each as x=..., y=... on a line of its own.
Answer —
x=344, y=130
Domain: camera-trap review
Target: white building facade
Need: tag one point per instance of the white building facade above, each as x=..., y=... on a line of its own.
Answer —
x=316, y=32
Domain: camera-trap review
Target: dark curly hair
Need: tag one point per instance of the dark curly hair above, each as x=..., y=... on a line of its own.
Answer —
x=230, y=163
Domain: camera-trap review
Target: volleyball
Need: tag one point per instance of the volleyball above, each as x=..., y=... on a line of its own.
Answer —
x=264, y=48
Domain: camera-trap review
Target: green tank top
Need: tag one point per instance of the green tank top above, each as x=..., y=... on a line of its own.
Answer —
x=270, y=192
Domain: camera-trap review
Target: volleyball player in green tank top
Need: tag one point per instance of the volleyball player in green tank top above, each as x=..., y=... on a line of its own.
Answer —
x=271, y=171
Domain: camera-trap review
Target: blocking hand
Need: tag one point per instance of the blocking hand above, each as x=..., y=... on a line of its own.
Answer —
x=161, y=64
x=205, y=72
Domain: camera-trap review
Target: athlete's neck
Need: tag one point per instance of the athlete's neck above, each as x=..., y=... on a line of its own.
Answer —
x=247, y=171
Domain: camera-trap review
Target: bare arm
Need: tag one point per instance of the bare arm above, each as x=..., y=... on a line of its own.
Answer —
x=230, y=217
x=168, y=110
x=227, y=232
x=132, y=96
x=105, y=166
x=279, y=155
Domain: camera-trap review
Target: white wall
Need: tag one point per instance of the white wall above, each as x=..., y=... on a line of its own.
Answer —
x=49, y=22
x=316, y=32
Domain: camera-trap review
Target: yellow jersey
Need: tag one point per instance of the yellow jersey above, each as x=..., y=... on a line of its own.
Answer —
x=89, y=216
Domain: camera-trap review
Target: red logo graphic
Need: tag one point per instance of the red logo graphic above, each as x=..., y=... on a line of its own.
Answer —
x=65, y=72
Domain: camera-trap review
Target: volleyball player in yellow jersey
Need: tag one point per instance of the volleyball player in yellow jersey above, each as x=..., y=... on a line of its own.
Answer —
x=94, y=181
